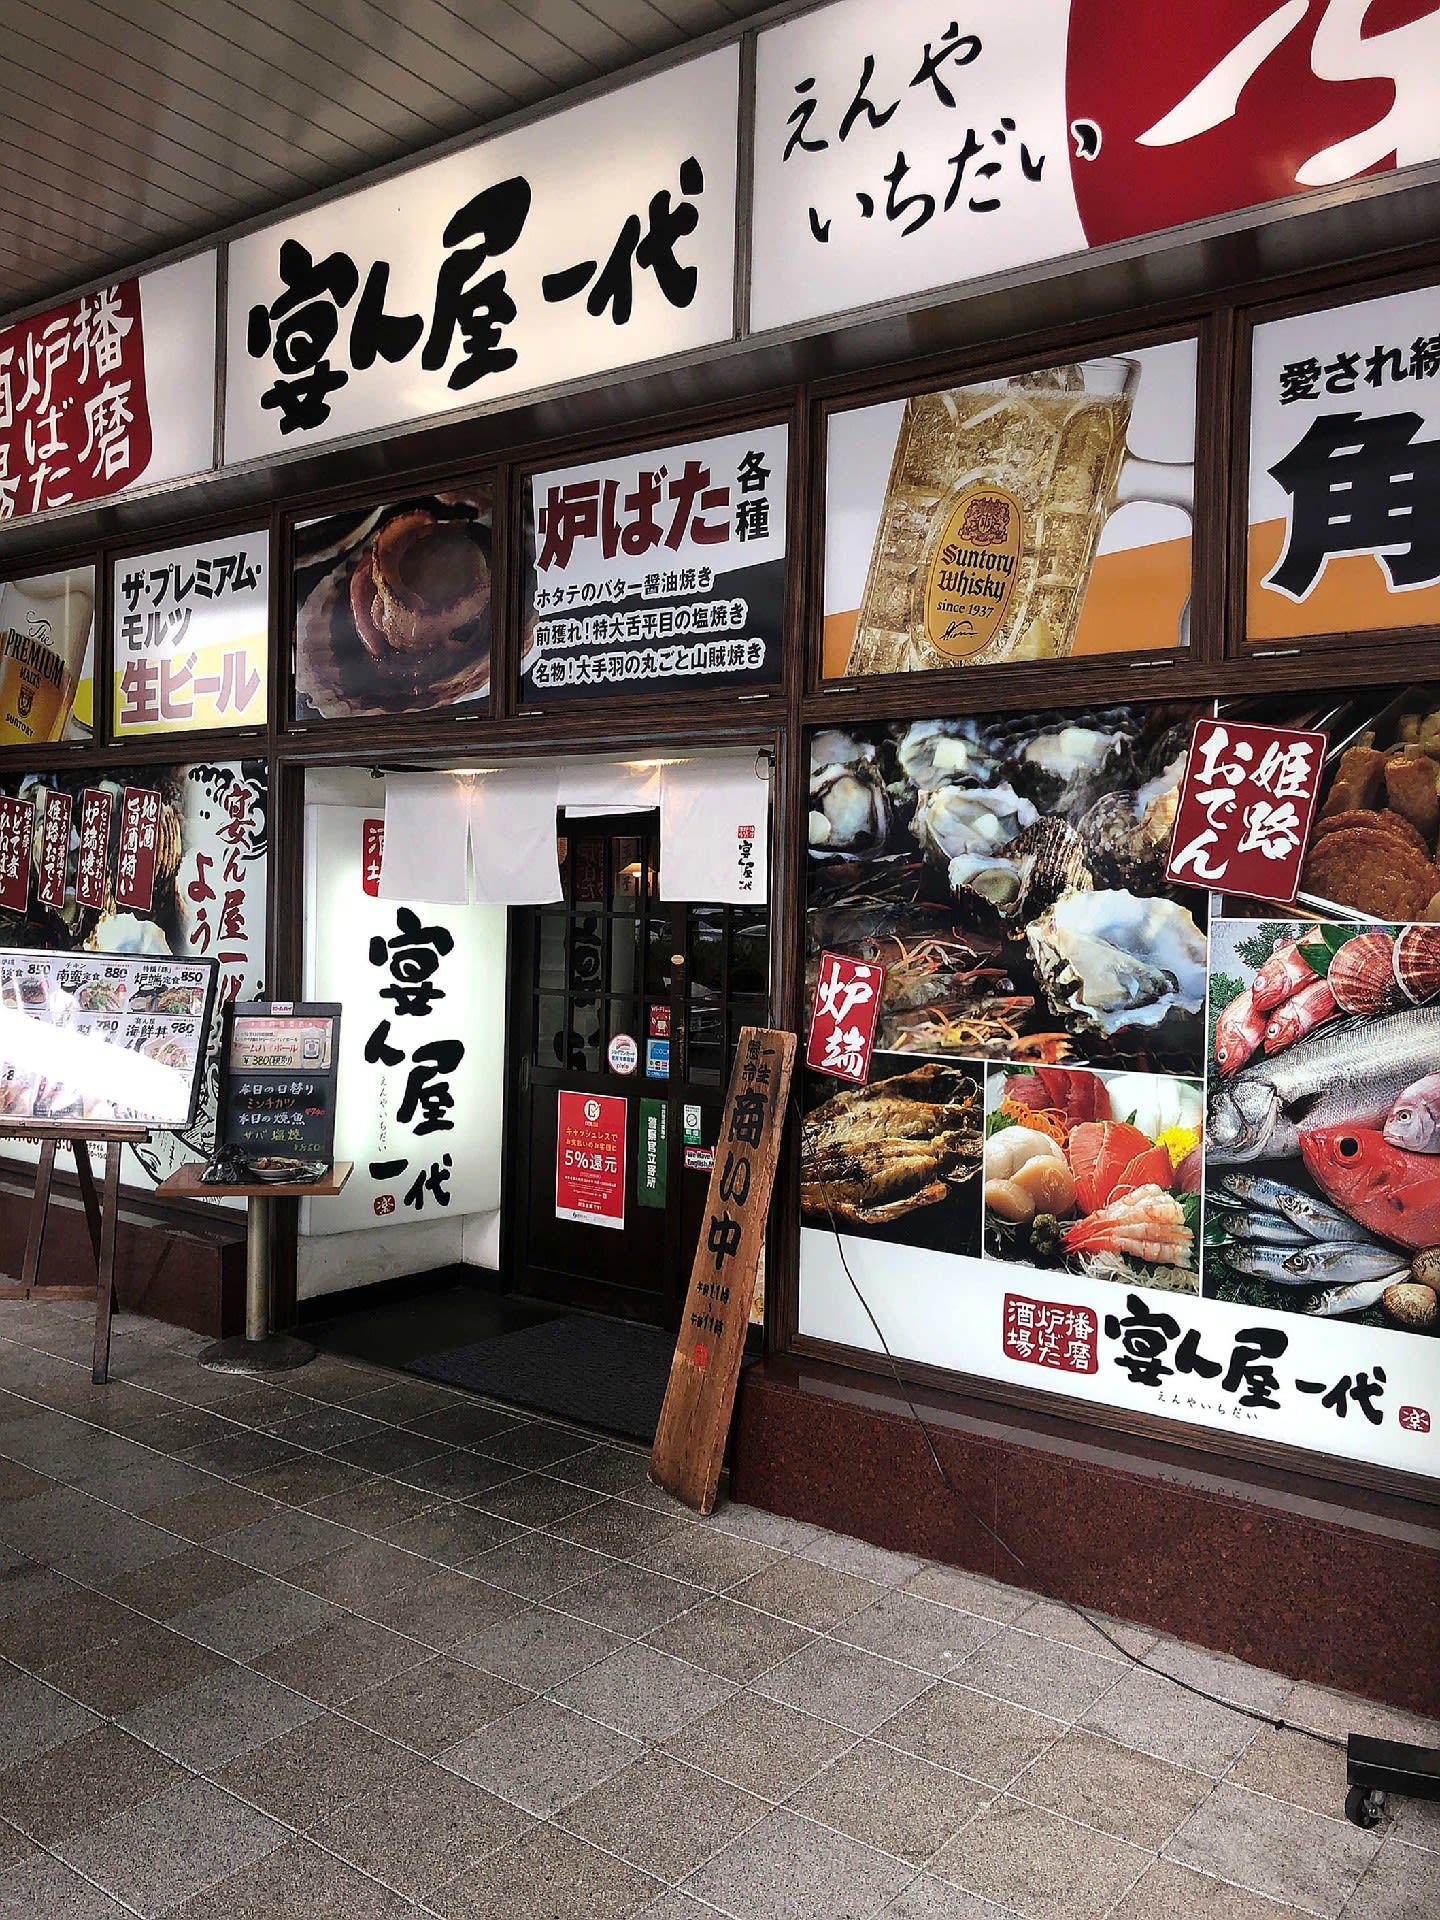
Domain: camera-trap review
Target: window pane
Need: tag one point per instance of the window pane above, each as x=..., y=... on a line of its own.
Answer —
x=550, y=1030
x=583, y=1043
x=586, y=953
x=551, y=965
x=627, y=873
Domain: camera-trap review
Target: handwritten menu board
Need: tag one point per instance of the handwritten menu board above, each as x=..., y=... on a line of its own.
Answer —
x=280, y=1079
x=91, y=1038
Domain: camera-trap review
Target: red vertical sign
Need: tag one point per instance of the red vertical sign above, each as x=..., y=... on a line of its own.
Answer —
x=844, y=1017
x=92, y=860
x=54, y=850
x=139, y=839
x=1246, y=807
x=372, y=852
x=590, y=1159
x=17, y=831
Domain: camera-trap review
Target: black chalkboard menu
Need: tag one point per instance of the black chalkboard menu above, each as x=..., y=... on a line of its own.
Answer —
x=281, y=1059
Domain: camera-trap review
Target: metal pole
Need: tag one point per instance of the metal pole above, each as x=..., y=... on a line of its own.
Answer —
x=257, y=1350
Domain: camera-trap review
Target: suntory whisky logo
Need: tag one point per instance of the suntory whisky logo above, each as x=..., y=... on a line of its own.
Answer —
x=970, y=581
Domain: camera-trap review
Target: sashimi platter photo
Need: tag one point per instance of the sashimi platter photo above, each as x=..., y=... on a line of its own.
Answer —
x=1156, y=1056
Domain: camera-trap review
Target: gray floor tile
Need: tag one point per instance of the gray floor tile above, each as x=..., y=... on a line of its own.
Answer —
x=643, y=1692
x=121, y=1676
x=802, y=1590
x=542, y=1756
x=436, y=1705
x=220, y=1510
x=307, y=1480
x=971, y=1592
x=358, y=1575
x=157, y=1854
x=1282, y=1851
x=1165, y=1891
x=389, y=1450
x=607, y=1469
x=616, y=1528
x=919, y=1632
x=255, y=1619
x=26, y=1589
x=46, y=1889
x=282, y=1540
x=147, y=1483
x=729, y=1640
x=169, y=1587
x=990, y=1740
x=534, y=1445
x=297, y=1880
x=237, y=1455
x=1045, y=1675
x=539, y=1648
x=406, y=1401
x=66, y=1618
x=15, y=1846
x=425, y=1827
x=549, y=1875
x=675, y=1905
x=453, y=1533
x=891, y=1800
x=1039, y=1864
x=1401, y=1883
x=538, y=1566
x=786, y=1868
x=1128, y=1794
x=1230, y=1680
x=760, y=1745
x=465, y=1423
x=459, y=1474
x=441, y=1605
x=929, y=1899
x=705, y=1557
x=324, y=1427
x=775, y=1530
x=218, y=1718
x=665, y=1818
x=376, y=1506
x=335, y=1663
x=1291, y=1766
x=75, y=1786
x=1144, y=1710
x=34, y=1718
x=312, y=1771
x=1341, y=1714
x=629, y=1600
x=81, y=1537
x=1091, y=1631
x=845, y=1685
x=860, y=1557
x=19, y=1482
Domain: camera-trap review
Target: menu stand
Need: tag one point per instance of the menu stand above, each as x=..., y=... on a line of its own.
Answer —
x=101, y=1218
x=257, y=1350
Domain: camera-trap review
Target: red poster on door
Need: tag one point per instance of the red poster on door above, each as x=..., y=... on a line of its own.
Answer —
x=17, y=835
x=590, y=1159
x=1246, y=805
x=844, y=1017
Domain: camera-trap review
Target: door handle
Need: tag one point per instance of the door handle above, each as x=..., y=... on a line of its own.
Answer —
x=524, y=1074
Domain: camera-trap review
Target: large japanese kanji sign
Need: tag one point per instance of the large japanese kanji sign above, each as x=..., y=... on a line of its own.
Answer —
x=190, y=630
x=1344, y=532
x=1246, y=805
x=91, y=396
x=594, y=239
x=663, y=569
x=906, y=147
x=844, y=1017
x=690, y=1440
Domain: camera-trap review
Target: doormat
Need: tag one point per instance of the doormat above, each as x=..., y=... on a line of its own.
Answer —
x=582, y=1367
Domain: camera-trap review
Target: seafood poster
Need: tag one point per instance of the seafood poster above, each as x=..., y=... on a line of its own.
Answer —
x=1347, y=401
x=1134, y=1155
x=658, y=571
x=1035, y=517
x=393, y=606
x=208, y=899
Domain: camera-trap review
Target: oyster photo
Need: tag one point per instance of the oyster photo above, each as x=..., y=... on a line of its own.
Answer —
x=393, y=607
x=1111, y=960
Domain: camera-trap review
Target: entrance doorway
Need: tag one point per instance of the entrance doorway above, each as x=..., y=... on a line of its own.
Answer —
x=612, y=962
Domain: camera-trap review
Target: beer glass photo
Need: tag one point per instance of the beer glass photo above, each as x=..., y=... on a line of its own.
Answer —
x=45, y=630
x=996, y=506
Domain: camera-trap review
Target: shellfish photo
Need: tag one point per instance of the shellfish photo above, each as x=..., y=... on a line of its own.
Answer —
x=1322, y=1178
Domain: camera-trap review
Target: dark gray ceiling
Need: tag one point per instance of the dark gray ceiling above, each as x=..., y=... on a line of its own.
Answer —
x=134, y=126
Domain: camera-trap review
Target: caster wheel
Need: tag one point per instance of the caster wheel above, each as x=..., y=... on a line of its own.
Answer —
x=1364, y=1807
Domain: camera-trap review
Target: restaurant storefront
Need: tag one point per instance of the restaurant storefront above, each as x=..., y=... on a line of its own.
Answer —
x=925, y=502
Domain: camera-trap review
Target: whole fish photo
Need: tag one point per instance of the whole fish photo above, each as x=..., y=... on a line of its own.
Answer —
x=1322, y=1152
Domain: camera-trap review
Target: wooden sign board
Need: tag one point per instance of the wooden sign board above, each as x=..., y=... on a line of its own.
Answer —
x=690, y=1440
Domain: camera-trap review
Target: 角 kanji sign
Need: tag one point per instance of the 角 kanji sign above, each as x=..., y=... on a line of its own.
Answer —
x=844, y=1016
x=1246, y=806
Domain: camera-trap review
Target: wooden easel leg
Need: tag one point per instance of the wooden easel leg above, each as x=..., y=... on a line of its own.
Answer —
x=105, y=1289
x=86, y=1177
x=39, y=1208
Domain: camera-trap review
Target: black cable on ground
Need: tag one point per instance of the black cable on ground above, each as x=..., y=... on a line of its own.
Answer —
x=1039, y=1584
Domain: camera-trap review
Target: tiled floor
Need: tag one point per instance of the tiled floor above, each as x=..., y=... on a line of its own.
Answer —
x=346, y=1646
